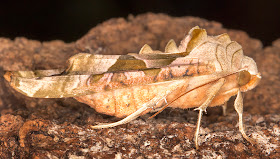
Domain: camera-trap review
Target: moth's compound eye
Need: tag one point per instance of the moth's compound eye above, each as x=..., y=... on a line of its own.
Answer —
x=244, y=77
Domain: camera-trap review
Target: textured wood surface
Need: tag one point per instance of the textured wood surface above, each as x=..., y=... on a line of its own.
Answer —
x=49, y=128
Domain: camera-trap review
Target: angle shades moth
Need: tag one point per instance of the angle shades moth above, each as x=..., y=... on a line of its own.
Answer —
x=203, y=71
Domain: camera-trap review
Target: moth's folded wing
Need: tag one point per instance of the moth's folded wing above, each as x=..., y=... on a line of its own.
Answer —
x=84, y=63
x=48, y=87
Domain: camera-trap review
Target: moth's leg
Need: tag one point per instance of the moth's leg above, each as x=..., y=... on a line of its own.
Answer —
x=213, y=90
x=224, y=106
x=238, y=105
x=136, y=114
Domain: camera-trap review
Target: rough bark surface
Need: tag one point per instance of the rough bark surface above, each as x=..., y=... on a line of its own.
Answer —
x=59, y=128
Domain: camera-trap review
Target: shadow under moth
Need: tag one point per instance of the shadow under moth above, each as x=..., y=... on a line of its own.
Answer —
x=204, y=71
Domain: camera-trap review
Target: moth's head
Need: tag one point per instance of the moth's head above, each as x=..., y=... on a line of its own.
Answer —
x=249, y=77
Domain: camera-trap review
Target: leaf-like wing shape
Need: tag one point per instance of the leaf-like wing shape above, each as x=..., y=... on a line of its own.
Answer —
x=84, y=63
x=58, y=86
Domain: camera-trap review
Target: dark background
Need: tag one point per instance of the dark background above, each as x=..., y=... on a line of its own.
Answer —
x=68, y=20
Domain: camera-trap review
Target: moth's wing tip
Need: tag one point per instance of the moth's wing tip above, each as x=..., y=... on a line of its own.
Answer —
x=8, y=76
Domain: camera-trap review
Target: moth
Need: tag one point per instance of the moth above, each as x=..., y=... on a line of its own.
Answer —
x=203, y=71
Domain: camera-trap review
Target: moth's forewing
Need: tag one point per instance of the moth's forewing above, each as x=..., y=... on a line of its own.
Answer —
x=84, y=75
x=84, y=63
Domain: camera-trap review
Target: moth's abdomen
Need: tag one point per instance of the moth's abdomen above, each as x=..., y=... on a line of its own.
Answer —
x=123, y=102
